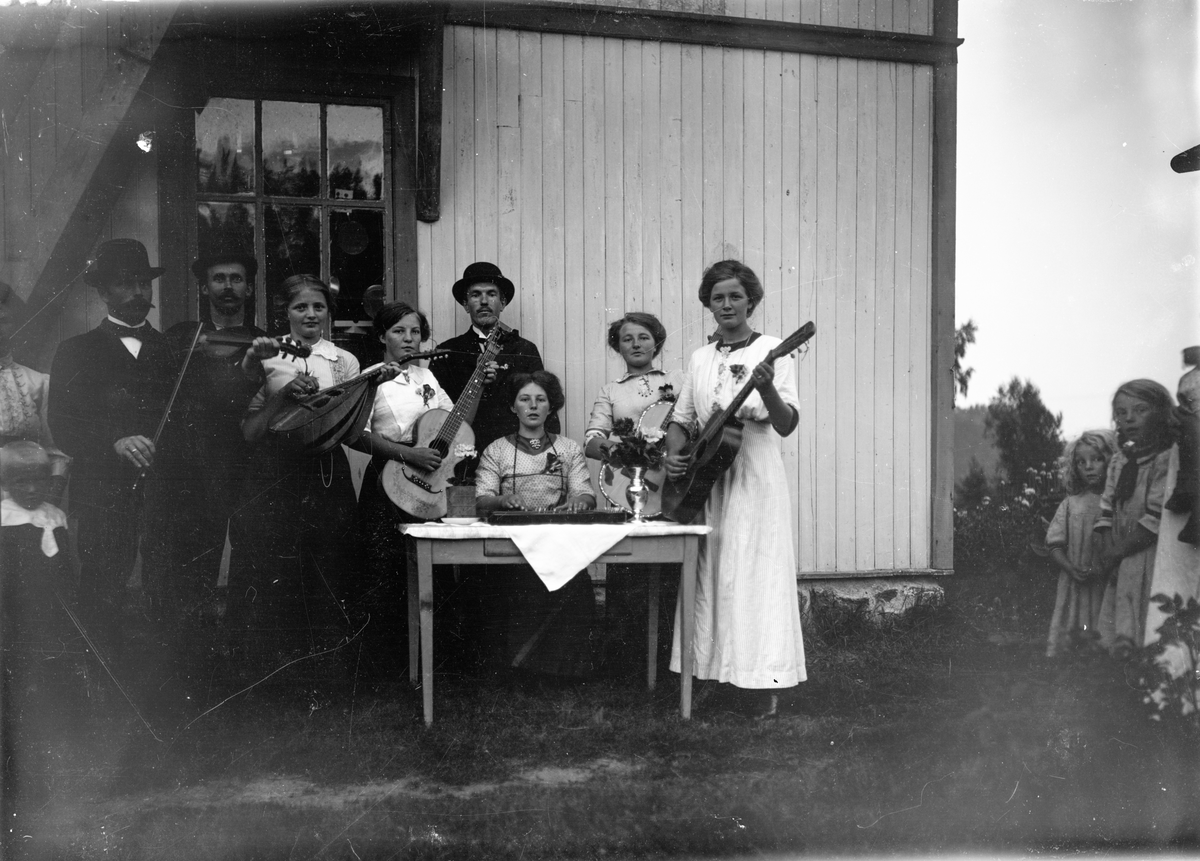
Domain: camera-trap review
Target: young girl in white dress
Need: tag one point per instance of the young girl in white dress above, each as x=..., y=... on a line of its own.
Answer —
x=1069, y=539
x=747, y=611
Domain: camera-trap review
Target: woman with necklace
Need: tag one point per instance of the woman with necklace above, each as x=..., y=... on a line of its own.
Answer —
x=296, y=519
x=747, y=612
x=638, y=338
x=535, y=630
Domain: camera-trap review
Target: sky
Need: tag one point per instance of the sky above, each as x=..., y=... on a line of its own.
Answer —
x=1078, y=248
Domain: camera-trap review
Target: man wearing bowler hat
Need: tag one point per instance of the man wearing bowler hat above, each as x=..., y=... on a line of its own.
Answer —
x=484, y=292
x=201, y=479
x=108, y=389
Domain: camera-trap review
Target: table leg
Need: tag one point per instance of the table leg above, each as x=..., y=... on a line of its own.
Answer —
x=687, y=615
x=425, y=597
x=414, y=610
x=652, y=627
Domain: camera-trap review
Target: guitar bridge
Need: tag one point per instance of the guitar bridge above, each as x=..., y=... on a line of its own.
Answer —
x=424, y=485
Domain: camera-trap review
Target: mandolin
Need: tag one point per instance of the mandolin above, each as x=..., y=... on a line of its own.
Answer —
x=421, y=493
x=717, y=444
x=334, y=415
x=614, y=482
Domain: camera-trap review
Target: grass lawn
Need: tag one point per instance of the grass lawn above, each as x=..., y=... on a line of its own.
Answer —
x=945, y=733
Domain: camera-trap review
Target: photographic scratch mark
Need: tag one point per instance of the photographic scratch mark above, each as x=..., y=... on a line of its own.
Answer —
x=906, y=809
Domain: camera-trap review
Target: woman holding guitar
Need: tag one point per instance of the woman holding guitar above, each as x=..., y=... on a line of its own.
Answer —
x=646, y=395
x=379, y=595
x=747, y=612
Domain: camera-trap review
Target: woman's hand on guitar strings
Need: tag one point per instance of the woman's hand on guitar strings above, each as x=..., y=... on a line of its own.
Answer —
x=424, y=459
x=676, y=465
x=389, y=372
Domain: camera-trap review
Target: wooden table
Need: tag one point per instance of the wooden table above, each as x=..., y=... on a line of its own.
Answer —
x=432, y=544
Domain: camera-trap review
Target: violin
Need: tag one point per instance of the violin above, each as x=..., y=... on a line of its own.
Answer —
x=227, y=343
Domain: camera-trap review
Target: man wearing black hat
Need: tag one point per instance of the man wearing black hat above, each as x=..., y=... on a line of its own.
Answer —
x=108, y=389
x=484, y=292
x=200, y=481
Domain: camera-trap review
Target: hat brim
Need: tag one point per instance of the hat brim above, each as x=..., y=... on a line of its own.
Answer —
x=95, y=276
x=202, y=265
x=463, y=284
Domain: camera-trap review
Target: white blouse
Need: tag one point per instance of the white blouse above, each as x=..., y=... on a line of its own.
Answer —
x=329, y=364
x=400, y=402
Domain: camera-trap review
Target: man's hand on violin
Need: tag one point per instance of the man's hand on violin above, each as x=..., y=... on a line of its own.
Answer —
x=137, y=450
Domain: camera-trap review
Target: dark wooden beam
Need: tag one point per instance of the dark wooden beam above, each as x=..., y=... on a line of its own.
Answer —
x=723, y=31
x=944, y=169
x=429, y=121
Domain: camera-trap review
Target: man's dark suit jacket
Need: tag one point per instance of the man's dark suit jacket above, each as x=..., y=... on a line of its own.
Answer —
x=494, y=418
x=100, y=393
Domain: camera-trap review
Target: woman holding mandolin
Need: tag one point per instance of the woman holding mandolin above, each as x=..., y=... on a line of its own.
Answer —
x=646, y=395
x=747, y=611
x=297, y=510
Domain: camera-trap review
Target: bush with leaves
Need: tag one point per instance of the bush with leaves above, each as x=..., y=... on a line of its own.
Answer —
x=1166, y=670
x=1005, y=529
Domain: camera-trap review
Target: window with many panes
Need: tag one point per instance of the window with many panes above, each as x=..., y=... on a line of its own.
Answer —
x=304, y=184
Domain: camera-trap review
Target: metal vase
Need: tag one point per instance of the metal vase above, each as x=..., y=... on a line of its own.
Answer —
x=637, y=493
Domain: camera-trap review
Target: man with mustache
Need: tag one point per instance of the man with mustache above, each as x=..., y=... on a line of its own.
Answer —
x=108, y=388
x=484, y=292
x=205, y=455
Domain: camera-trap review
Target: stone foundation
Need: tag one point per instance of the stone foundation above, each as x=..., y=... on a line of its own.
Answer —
x=878, y=596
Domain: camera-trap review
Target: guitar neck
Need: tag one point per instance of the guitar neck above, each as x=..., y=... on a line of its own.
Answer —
x=785, y=347
x=468, y=401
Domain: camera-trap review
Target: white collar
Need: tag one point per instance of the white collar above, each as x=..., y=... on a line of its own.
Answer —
x=629, y=375
x=323, y=348
x=46, y=517
x=113, y=319
x=477, y=331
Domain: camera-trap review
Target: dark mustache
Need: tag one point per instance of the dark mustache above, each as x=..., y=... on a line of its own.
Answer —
x=135, y=304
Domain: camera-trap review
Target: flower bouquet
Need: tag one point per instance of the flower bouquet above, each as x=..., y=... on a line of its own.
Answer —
x=635, y=447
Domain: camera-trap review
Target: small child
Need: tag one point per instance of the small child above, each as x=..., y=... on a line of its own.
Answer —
x=1069, y=539
x=25, y=480
x=1131, y=510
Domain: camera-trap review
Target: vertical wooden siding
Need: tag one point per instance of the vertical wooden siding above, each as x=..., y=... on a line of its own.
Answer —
x=896, y=16
x=603, y=175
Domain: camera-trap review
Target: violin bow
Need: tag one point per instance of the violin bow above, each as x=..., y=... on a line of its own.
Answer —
x=162, y=422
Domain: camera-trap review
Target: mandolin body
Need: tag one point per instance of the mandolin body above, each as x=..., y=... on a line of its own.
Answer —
x=683, y=500
x=423, y=494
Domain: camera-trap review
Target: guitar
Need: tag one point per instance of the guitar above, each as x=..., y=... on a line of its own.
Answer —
x=421, y=493
x=717, y=444
x=334, y=415
x=614, y=482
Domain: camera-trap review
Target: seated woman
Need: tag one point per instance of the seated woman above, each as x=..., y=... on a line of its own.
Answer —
x=378, y=598
x=638, y=338
x=532, y=628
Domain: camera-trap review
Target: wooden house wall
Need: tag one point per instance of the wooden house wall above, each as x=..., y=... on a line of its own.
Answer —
x=602, y=175
x=897, y=16
x=72, y=103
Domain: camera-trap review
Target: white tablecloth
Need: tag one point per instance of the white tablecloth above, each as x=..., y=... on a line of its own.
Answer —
x=557, y=552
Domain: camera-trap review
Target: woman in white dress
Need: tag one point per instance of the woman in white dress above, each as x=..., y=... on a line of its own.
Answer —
x=747, y=612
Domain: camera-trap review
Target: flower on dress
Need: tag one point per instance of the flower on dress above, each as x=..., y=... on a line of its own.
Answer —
x=427, y=393
x=739, y=372
x=553, y=464
x=666, y=392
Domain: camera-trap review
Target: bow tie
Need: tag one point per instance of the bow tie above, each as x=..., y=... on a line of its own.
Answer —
x=140, y=332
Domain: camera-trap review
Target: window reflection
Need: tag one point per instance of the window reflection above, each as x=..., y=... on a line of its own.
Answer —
x=225, y=147
x=356, y=256
x=291, y=141
x=355, y=135
x=293, y=246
